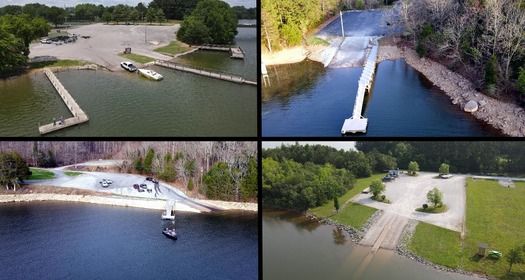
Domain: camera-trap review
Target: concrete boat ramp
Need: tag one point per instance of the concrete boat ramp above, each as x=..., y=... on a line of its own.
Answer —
x=385, y=232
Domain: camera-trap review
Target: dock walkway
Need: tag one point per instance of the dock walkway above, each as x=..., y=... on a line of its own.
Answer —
x=358, y=123
x=235, y=52
x=206, y=73
x=78, y=114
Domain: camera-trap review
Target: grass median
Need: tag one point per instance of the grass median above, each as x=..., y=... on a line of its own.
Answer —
x=494, y=217
x=40, y=174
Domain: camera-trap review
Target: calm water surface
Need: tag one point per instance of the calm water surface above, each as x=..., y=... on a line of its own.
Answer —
x=296, y=248
x=306, y=99
x=124, y=104
x=79, y=241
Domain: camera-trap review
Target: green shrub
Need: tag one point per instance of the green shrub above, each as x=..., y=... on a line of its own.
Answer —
x=359, y=5
x=491, y=72
x=190, y=184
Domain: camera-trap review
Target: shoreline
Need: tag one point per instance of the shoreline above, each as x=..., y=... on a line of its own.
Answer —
x=401, y=249
x=122, y=201
x=507, y=118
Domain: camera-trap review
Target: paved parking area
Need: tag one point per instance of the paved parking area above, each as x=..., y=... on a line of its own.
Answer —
x=107, y=41
x=407, y=193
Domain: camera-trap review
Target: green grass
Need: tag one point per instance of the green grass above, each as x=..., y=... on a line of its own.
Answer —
x=328, y=208
x=137, y=57
x=73, y=173
x=433, y=210
x=494, y=216
x=354, y=215
x=436, y=244
x=39, y=174
x=58, y=63
x=175, y=47
x=316, y=41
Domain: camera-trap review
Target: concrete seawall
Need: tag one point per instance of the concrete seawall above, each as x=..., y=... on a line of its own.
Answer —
x=104, y=200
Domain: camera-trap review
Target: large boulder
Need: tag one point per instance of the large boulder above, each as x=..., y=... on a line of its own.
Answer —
x=471, y=106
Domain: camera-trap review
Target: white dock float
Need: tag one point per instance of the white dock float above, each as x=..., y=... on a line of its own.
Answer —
x=357, y=123
x=169, y=214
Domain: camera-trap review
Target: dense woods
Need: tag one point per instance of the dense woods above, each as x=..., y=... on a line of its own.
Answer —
x=285, y=23
x=305, y=176
x=217, y=170
x=483, y=39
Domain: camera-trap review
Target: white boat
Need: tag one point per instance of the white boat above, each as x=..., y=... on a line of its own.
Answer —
x=150, y=74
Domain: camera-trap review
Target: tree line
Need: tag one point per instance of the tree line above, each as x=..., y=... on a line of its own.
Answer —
x=305, y=176
x=215, y=170
x=484, y=37
x=170, y=9
x=483, y=157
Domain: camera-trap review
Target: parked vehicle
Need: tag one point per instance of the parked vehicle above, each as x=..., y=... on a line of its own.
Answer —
x=387, y=178
x=136, y=186
x=149, y=179
x=128, y=66
x=143, y=186
x=105, y=184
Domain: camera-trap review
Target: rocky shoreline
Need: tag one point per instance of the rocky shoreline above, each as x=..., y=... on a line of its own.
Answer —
x=508, y=118
x=402, y=250
x=355, y=234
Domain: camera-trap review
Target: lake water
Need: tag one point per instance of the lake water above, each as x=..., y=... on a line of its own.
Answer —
x=297, y=248
x=124, y=104
x=305, y=99
x=80, y=241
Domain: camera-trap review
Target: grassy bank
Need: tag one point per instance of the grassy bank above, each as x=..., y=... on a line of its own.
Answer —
x=73, y=173
x=137, y=57
x=494, y=216
x=175, y=47
x=40, y=174
x=352, y=214
x=58, y=63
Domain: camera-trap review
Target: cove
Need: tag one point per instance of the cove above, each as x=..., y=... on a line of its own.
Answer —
x=305, y=99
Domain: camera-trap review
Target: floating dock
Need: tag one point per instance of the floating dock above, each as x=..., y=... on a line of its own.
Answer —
x=170, y=213
x=357, y=123
x=235, y=52
x=78, y=114
x=206, y=73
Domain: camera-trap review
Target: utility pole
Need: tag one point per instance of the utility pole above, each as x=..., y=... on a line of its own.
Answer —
x=342, y=28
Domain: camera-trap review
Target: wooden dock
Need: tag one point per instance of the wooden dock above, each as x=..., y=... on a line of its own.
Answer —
x=235, y=52
x=358, y=123
x=78, y=114
x=206, y=73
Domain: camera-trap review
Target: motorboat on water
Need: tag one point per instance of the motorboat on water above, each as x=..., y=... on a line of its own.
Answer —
x=150, y=74
x=128, y=66
x=170, y=233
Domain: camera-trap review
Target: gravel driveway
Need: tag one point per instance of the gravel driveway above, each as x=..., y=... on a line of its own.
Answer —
x=107, y=41
x=407, y=193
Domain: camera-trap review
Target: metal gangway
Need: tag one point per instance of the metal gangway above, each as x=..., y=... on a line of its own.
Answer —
x=358, y=123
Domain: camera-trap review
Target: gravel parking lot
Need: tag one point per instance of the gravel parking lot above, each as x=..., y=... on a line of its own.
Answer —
x=407, y=193
x=107, y=41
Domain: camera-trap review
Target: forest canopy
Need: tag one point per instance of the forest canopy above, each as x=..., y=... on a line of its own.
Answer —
x=211, y=22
